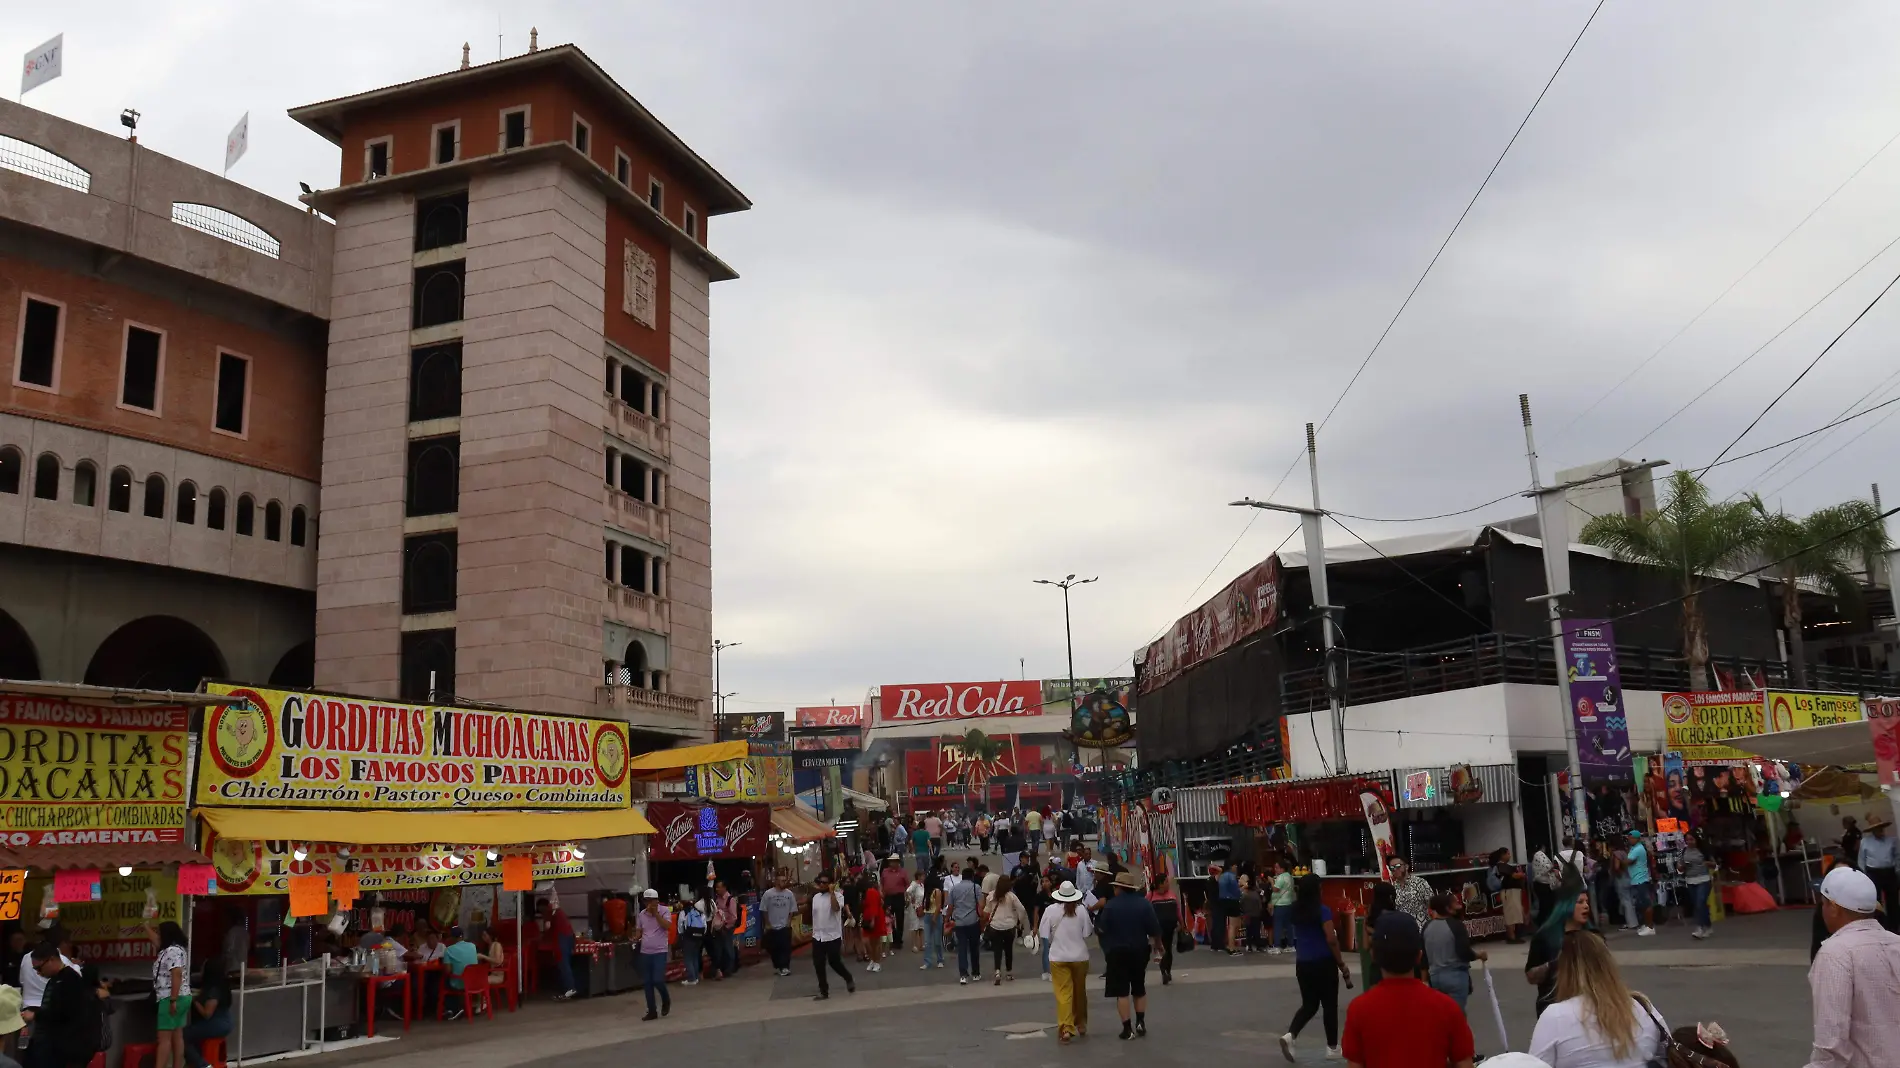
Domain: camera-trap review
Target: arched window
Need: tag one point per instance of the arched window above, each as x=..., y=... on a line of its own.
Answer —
x=214, y=509
x=119, y=490
x=10, y=464
x=273, y=522
x=434, y=464
x=435, y=382
x=46, y=477
x=247, y=515
x=155, y=496
x=85, y=483
x=298, y=524
x=428, y=573
x=187, y=510
x=439, y=294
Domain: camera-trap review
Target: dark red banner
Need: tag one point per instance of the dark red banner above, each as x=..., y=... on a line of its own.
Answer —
x=1333, y=799
x=1249, y=604
x=697, y=832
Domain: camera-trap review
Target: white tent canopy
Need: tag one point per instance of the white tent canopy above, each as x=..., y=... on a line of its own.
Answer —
x=865, y=801
x=1833, y=743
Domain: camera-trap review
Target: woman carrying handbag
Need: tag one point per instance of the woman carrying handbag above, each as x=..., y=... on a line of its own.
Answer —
x=1003, y=919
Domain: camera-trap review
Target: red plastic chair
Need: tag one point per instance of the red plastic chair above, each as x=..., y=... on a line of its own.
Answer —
x=504, y=981
x=139, y=1054
x=476, y=993
x=212, y=1049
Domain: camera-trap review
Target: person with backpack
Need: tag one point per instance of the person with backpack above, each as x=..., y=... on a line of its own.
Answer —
x=69, y=1020
x=692, y=932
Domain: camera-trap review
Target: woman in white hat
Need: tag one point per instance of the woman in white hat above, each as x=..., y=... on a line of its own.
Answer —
x=1065, y=929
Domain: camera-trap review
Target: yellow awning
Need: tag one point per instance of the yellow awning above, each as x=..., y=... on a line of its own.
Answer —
x=801, y=827
x=382, y=827
x=674, y=759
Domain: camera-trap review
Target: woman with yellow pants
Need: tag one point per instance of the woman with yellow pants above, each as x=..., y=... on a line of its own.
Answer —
x=1066, y=927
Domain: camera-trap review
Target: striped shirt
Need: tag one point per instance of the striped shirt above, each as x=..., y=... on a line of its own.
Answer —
x=1856, y=984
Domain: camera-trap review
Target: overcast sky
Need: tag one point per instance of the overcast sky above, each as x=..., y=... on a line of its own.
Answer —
x=1033, y=289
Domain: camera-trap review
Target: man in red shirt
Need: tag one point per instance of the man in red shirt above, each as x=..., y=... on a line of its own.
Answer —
x=892, y=882
x=1401, y=1022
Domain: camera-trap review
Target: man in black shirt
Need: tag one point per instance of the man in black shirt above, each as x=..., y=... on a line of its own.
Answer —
x=1128, y=931
x=68, y=1019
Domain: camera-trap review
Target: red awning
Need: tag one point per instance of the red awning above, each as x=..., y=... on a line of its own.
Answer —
x=101, y=856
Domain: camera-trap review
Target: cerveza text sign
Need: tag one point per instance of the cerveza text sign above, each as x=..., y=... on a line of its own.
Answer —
x=285, y=749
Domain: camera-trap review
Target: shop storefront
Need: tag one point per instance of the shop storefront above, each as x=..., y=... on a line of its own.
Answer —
x=93, y=829
x=336, y=823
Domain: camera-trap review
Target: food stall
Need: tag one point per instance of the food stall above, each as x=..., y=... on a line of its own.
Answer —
x=1448, y=822
x=335, y=821
x=93, y=829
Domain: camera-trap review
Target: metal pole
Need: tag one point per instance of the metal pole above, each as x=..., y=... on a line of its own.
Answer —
x=1322, y=602
x=1068, y=639
x=1553, y=530
x=719, y=698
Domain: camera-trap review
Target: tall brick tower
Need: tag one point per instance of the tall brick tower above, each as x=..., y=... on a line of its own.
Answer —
x=515, y=470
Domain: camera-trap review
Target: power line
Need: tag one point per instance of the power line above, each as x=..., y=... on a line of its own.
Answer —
x=1760, y=348
x=1799, y=437
x=1461, y=218
x=1462, y=610
x=1837, y=449
x=1804, y=371
x=1724, y=294
x=1841, y=416
x=1428, y=518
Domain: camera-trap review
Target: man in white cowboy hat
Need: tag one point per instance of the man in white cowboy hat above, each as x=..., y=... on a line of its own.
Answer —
x=1129, y=931
x=1853, y=978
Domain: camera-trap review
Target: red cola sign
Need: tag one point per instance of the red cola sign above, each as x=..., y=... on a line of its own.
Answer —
x=1329, y=799
x=696, y=832
x=941, y=702
x=829, y=716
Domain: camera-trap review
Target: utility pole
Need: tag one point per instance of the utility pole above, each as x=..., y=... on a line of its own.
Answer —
x=1553, y=530
x=1322, y=602
x=719, y=696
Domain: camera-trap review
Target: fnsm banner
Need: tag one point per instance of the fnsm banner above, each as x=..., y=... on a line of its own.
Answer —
x=287, y=749
x=80, y=774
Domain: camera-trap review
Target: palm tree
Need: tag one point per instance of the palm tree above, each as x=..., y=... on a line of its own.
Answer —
x=1689, y=537
x=1827, y=547
x=979, y=752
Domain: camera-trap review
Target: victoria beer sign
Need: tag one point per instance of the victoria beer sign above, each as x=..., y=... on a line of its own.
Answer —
x=695, y=832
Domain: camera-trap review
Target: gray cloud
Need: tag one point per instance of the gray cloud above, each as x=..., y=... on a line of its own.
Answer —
x=1033, y=289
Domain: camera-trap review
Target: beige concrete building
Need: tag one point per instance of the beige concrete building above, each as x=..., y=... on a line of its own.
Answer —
x=516, y=475
x=489, y=377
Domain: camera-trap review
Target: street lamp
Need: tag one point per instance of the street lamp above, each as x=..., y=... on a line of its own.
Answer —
x=1068, y=633
x=719, y=699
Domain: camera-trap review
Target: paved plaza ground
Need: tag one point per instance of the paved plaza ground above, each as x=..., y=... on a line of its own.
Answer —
x=1752, y=977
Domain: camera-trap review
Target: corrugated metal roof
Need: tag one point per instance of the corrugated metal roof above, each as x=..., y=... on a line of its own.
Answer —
x=1199, y=804
x=1499, y=782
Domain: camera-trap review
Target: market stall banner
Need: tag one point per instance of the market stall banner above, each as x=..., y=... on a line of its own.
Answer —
x=1883, y=718
x=830, y=716
x=943, y=702
x=697, y=832
x=825, y=752
x=751, y=727
x=1336, y=799
x=246, y=866
x=308, y=750
x=1791, y=710
x=78, y=774
x=1596, y=699
x=756, y=778
x=113, y=927
x=1698, y=725
x=1249, y=604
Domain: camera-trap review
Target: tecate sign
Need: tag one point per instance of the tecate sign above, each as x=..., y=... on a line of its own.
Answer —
x=947, y=701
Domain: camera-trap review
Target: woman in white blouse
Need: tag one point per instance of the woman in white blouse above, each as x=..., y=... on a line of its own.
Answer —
x=1596, y=1022
x=1066, y=928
